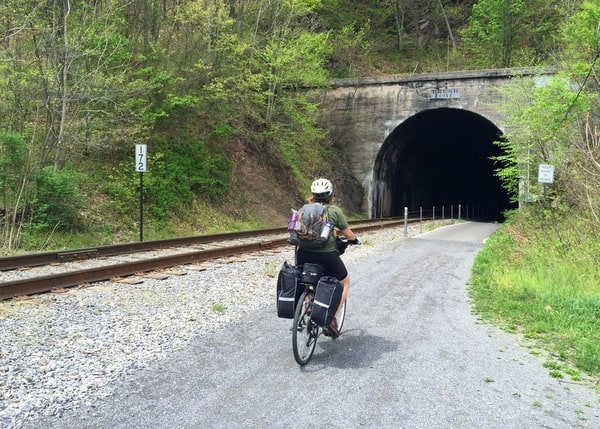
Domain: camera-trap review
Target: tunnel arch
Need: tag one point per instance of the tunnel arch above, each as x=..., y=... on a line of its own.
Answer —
x=439, y=157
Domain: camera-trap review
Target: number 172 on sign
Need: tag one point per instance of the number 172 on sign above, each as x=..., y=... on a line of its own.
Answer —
x=141, y=162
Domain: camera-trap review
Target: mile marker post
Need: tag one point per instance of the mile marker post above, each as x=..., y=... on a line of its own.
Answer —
x=141, y=165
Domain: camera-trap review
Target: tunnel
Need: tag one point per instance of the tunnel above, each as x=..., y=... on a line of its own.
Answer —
x=438, y=162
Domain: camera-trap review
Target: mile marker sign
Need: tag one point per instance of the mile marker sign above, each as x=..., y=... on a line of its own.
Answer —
x=545, y=173
x=141, y=162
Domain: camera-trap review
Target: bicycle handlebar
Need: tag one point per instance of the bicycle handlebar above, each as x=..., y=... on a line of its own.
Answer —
x=343, y=239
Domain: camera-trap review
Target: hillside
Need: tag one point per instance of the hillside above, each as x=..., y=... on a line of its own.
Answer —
x=217, y=92
x=266, y=191
x=260, y=190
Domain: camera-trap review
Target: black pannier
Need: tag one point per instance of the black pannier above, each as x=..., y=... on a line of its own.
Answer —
x=311, y=273
x=288, y=291
x=327, y=300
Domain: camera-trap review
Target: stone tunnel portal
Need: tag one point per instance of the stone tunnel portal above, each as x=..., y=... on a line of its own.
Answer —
x=440, y=157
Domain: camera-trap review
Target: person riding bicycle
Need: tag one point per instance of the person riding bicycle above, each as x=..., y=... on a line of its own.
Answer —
x=328, y=256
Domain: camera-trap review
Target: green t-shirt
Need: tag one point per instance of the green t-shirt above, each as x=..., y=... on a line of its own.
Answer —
x=337, y=217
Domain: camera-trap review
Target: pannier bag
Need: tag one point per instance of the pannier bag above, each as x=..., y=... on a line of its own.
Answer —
x=311, y=273
x=288, y=291
x=327, y=300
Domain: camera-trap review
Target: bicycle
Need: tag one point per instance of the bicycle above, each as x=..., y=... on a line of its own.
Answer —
x=306, y=331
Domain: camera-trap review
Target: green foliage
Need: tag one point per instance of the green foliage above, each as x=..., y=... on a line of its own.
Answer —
x=512, y=169
x=176, y=176
x=222, y=131
x=580, y=35
x=504, y=33
x=550, y=291
x=15, y=189
x=541, y=272
x=192, y=165
x=219, y=307
x=297, y=60
x=121, y=186
x=13, y=151
x=349, y=44
x=538, y=130
x=301, y=142
x=153, y=100
x=291, y=62
x=551, y=121
x=86, y=85
x=58, y=201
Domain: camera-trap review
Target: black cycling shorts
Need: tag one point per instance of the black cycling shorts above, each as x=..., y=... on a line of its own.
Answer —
x=334, y=266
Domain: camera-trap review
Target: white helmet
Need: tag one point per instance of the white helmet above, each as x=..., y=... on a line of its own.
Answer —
x=321, y=189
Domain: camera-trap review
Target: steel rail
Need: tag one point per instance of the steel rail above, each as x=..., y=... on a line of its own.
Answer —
x=48, y=283
x=75, y=278
x=46, y=258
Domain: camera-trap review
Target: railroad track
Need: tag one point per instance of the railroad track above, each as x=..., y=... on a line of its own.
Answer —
x=171, y=253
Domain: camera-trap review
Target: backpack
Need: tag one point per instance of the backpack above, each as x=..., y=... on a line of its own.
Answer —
x=312, y=228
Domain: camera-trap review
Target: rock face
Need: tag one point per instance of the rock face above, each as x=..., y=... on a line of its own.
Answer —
x=368, y=117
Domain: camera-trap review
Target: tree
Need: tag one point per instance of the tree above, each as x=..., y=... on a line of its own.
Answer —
x=556, y=121
x=349, y=44
x=14, y=178
x=581, y=36
x=508, y=32
x=67, y=84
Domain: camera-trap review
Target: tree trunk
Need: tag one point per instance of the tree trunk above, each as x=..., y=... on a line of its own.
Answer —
x=447, y=25
x=63, y=87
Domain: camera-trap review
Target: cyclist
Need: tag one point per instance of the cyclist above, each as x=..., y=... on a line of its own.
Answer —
x=322, y=192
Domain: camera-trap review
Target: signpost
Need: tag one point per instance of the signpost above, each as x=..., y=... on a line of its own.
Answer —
x=141, y=165
x=545, y=173
x=545, y=176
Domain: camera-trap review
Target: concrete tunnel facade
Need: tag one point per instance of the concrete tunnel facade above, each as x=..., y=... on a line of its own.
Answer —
x=440, y=158
x=423, y=140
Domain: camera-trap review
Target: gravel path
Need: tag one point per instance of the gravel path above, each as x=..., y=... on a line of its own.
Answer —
x=193, y=351
x=62, y=350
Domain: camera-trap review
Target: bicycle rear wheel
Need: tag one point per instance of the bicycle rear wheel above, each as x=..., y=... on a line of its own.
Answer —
x=340, y=316
x=304, y=331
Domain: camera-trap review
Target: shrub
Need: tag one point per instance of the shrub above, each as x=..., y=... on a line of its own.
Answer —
x=58, y=202
x=177, y=174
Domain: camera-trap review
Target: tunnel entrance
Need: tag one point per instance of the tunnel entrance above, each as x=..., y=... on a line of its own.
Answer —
x=440, y=158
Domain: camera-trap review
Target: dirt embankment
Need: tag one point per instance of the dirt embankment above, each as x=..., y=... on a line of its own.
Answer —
x=266, y=190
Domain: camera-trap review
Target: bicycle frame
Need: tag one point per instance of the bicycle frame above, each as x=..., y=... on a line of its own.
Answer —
x=305, y=332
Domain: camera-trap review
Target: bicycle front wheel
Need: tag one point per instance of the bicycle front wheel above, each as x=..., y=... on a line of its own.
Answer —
x=304, y=331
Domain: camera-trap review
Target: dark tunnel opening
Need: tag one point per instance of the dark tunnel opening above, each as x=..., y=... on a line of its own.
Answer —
x=440, y=158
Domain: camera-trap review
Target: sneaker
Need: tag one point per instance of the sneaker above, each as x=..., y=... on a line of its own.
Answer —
x=333, y=329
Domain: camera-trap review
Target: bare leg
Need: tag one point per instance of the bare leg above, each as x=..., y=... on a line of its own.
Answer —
x=346, y=283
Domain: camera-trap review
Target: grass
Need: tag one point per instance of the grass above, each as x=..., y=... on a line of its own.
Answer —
x=219, y=307
x=202, y=220
x=545, y=285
